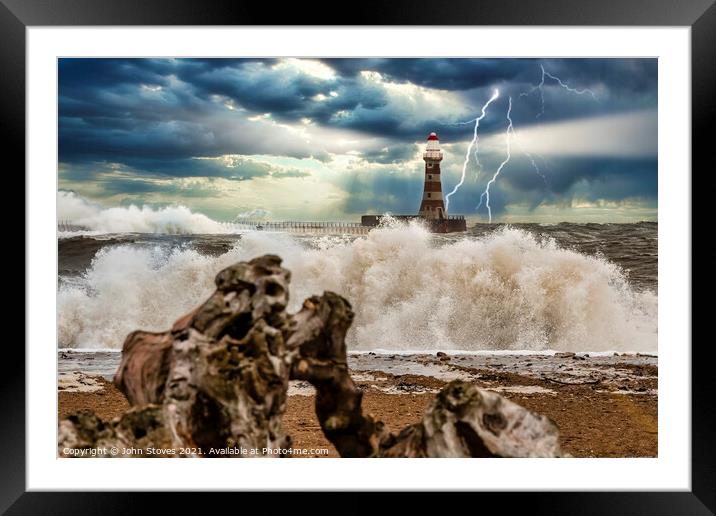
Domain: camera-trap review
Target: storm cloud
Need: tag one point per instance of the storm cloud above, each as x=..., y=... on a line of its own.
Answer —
x=157, y=128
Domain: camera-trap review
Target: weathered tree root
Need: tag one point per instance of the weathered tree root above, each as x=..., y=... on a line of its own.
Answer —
x=219, y=380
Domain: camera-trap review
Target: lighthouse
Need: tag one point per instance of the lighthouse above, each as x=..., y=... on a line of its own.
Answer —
x=432, y=206
x=432, y=212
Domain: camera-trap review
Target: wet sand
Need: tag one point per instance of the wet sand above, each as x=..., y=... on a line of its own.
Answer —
x=604, y=406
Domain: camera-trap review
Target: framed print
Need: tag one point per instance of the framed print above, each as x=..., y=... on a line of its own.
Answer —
x=451, y=234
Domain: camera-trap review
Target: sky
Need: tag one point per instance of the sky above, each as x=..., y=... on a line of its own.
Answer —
x=332, y=139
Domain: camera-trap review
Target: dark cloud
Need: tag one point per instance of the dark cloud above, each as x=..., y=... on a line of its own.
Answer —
x=559, y=182
x=142, y=176
x=447, y=74
x=392, y=154
x=109, y=105
x=239, y=168
x=153, y=118
x=136, y=186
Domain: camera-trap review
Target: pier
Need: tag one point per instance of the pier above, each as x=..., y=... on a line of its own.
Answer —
x=368, y=222
x=325, y=227
x=448, y=224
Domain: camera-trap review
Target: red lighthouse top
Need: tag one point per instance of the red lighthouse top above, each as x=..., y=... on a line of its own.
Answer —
x=432, y=136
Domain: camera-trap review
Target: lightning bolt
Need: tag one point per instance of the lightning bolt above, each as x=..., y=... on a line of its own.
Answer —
x=585, y=91
x=562, y=84
x=509, y=135
x=534, y=165
x=539, y=86
x=473, y=143
x=541, y=92
x=486, y=194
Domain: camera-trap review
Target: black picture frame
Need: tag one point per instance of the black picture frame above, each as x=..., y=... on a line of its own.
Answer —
x=700, y=15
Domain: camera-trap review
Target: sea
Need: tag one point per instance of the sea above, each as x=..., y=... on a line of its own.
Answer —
x=495, y=288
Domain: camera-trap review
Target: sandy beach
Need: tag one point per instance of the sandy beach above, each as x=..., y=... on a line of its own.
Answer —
x=604, y=406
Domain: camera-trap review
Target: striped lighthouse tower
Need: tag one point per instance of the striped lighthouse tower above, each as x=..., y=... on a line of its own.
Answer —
x=432, y=206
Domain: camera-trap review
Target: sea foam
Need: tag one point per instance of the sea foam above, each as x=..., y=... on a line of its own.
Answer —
x=410, y=291
x=172, y=220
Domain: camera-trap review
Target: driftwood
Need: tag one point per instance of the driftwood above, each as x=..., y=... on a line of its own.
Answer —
x=218, y=380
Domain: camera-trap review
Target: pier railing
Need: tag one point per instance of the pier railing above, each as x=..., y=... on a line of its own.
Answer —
x=353, y=228
x=323, y=227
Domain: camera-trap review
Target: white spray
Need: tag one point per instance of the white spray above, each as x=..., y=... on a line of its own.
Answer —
x=135, y=219
x=411, y=290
